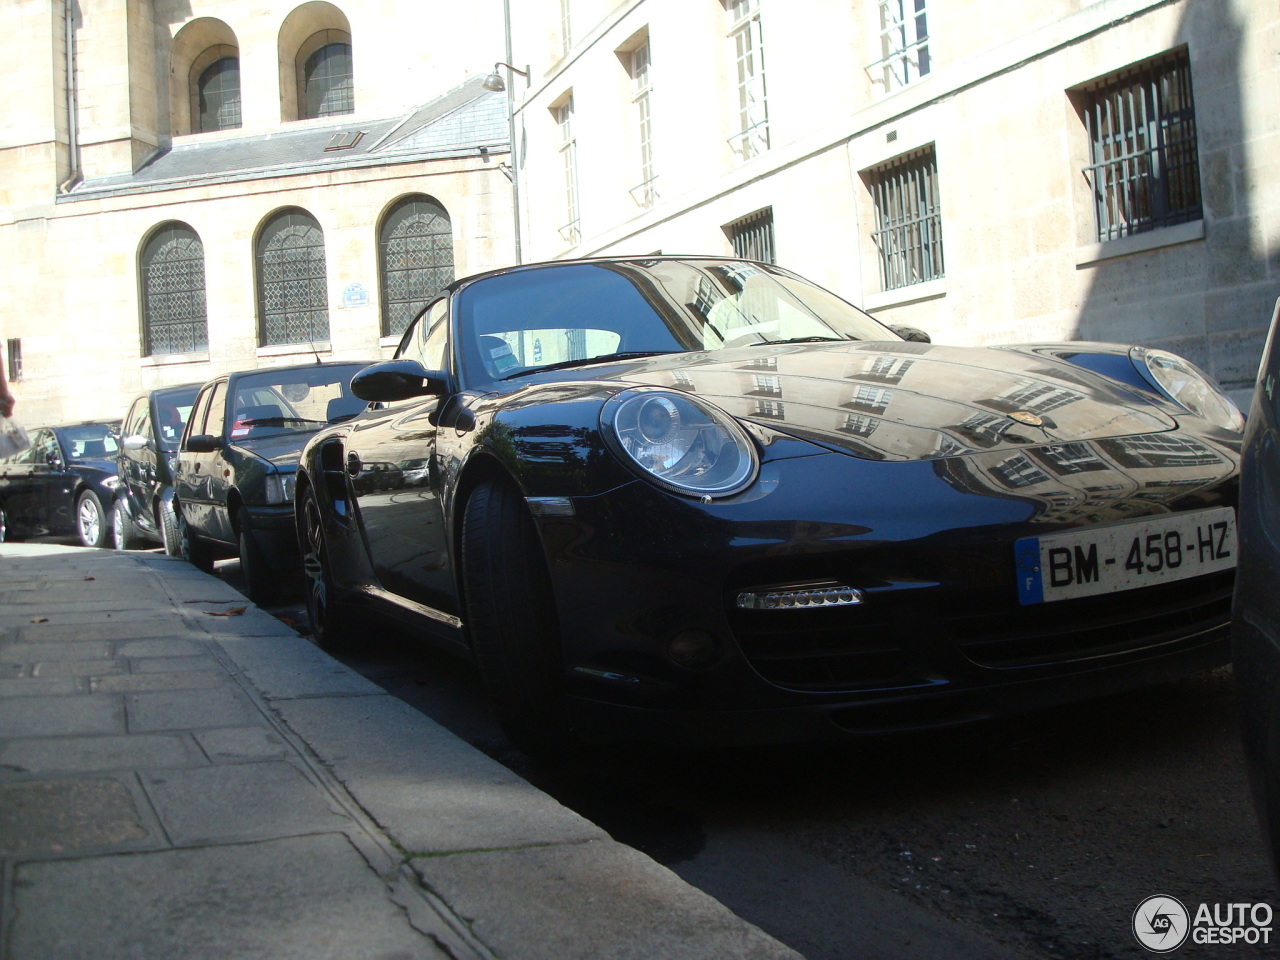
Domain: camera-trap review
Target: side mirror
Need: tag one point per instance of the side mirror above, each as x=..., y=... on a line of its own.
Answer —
x=914, y=334
x=202, y=443
x=54, y=461
x=394, y=380
x=136, y=442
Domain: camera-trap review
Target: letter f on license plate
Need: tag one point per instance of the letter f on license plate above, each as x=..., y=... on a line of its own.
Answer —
x=1125, y=555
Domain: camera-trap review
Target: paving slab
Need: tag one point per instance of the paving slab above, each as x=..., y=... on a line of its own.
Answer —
x=193, y=779
x=304, y=898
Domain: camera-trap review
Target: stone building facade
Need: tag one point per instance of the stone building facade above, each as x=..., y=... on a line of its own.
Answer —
x=193, y=186
x=189, y=187
x=989, y=172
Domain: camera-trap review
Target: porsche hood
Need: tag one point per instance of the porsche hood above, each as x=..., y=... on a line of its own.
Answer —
x=910, y=401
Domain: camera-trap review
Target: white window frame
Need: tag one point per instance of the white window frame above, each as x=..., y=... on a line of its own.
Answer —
x=747, y=37
x=904, y=44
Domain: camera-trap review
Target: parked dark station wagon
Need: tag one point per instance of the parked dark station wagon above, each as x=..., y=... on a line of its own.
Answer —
x=706, y=498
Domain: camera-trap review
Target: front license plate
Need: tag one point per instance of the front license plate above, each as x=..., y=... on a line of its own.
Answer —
x=1125, y=556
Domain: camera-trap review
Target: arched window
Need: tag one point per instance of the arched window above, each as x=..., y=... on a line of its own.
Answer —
x=415, y=259
x=218, y=96
x=174, y=318
x=293, y=304
x=326, y=85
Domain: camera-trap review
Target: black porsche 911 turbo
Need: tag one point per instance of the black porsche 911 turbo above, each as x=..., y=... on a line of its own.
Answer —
x=703, y=498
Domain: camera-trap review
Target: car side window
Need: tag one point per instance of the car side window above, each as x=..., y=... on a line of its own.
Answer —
x=133, y=421
x=427, y=340
x=199, y=413
x=45, y=447
x=217, y=410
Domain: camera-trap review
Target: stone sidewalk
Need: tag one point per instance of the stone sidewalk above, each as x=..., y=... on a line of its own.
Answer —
x=183, y=776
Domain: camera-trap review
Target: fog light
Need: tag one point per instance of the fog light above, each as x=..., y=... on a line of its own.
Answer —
x=799, y=598
x=692, y=648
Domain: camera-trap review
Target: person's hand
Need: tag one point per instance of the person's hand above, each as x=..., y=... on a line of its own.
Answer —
x=7, y=403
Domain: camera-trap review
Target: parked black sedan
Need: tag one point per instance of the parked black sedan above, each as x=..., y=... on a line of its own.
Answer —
x=234, y=474
x=62, y=484
x=706, y=498
x=143, y=508
x=1256, y=612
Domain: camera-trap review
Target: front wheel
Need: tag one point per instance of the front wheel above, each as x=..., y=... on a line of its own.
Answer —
x=167, y=521
x=512, y=620
x=192, y=549
x=124, y=535
x=91, y=520
x=330, y=623
x=262, y=584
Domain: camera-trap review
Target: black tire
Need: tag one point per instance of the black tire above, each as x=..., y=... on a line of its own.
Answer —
x=6, y=534
x=92, y=524
x=331, y=623
x=511, y=620
x=124, y=535
x=194, y=550
x=167, y=524
x=261, y=583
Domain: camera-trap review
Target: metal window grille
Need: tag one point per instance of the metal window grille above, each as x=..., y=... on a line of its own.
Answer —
x=772, y=409
x=416, y=259
x=1070, y=458
x=859, y=425
x=218, y=95
x=752, y=137
x=1144, y=167
x=174, y=318
x=908, y=231
x=752, y=237
x=15, y=359
x=871, y=399
x=293, y=303
x=767, y=384
x=328, y=82
x=904, y=44
x=644, y=193
x=572, y=230
x=1039, y=398
x=888, y=369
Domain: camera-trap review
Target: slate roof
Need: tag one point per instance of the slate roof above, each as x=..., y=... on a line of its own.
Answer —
x=463, y=121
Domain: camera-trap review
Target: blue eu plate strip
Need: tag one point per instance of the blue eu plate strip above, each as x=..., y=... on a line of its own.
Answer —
x=1026, y=558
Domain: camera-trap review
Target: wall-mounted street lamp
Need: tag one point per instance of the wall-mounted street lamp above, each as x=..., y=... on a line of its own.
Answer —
x=494, y=80
x=495, y=83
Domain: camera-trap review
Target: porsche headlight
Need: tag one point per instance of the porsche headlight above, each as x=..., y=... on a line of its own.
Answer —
x=684, y=444
x=1187, y=385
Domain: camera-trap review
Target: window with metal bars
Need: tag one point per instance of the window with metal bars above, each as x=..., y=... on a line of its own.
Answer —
x=1144, y=168
x=752, y=237
x=904, y=44
x=15, y=359
x=415, y=259
x=293, y=300
x=747, y=37
x=174, y=318
x=908, y=234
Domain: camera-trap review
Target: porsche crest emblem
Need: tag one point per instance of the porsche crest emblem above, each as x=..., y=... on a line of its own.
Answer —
x=1030, y=419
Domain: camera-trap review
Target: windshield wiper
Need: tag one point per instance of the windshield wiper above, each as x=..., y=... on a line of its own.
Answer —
x=806, y=340
x=276, y=421
x=583, y=361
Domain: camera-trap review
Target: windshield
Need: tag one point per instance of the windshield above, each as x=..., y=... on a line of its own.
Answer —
x=89, y=440
x=564, y=315
x=269, y=403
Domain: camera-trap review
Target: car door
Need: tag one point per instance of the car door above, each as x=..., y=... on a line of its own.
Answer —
x=22, y=491
x=200, y=480
x=58, y=485
x=136, y=459
x=391, y=463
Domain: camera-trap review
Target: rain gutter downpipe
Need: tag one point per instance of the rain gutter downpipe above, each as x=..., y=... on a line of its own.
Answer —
x=73, y=143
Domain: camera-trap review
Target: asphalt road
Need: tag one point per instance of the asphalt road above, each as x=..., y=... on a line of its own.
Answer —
x=1035, y=837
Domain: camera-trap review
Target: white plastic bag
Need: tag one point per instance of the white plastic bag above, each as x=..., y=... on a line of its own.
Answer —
x=13, y=439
